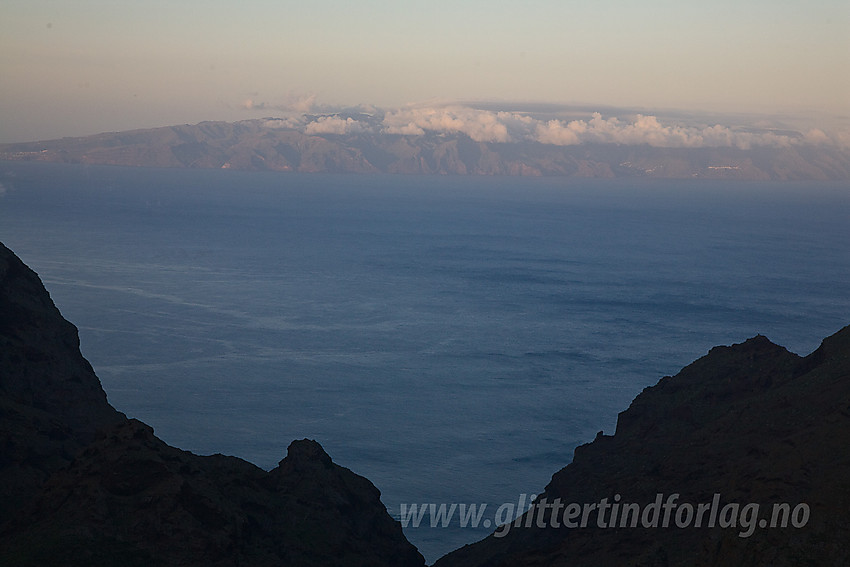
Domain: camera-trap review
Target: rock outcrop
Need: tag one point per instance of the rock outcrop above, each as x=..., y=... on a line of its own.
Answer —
x=752, y=423
x=83, y=485
x=51, y=402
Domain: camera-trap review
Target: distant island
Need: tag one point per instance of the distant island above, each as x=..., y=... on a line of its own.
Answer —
x=463, y=141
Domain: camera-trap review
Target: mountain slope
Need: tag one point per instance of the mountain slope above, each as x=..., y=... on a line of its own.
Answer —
x=254, y=145
x=751, y=423
x=83, y=485
x=51, y=402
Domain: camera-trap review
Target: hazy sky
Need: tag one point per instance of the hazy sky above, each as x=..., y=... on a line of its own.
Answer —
x=77, y=67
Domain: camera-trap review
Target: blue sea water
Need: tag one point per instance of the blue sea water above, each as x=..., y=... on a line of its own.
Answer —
x=452, y=339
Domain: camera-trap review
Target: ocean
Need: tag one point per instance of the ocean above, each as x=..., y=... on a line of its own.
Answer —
x=452, y=339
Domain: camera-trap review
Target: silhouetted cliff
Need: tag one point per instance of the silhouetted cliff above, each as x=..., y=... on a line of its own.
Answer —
x=737, y=432
x=51, y=402
x=83, y=485
x=752, y=423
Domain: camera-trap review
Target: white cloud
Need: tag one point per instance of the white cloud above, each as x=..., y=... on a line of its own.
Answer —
x=492, y=126
x=303, y=103
x=554, y=132
x=480, y=125
x=496, y=126
x=335, y=125
x=293, y=122
x=817, y=137
x=842, y=139
x=649, y=130
x=409, y=129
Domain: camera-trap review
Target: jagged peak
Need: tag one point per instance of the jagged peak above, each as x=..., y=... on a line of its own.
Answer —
x=756, y=343
x=305, y=454
x=836, y=345
x=705, y=386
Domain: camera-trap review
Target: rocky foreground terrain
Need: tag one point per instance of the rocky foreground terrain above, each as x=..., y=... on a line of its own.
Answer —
x=752, y=423
x=80, y=484
x=254, y=145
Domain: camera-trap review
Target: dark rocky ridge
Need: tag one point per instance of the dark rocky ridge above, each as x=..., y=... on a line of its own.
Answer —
x=248, y=145
x=51, y=402
x=83, y=485
x=751, y=422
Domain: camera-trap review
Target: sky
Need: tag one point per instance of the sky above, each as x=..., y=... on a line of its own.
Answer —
x=79, y=67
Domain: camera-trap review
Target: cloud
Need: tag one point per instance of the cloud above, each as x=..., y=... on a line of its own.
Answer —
x=249, y=104
x=828, y=131
x=490, y=124
x=501, y=126
x=555, y=132
x=842, y=139
x=644, y=129
x=286, y=122
x=480, y=125
x=2, y=189
x=300, y=103
x=336, y=125
x=291, y=104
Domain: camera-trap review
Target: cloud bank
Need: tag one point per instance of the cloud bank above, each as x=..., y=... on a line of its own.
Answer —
x=336, y=125
x=649, y=130
x=480, y=125
x=499, y=126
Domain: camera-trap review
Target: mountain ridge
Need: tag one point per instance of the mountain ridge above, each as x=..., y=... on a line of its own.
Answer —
x=749, y=424
x=254, y=145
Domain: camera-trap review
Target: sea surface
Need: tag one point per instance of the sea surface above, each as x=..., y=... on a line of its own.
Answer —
x=450, y=338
